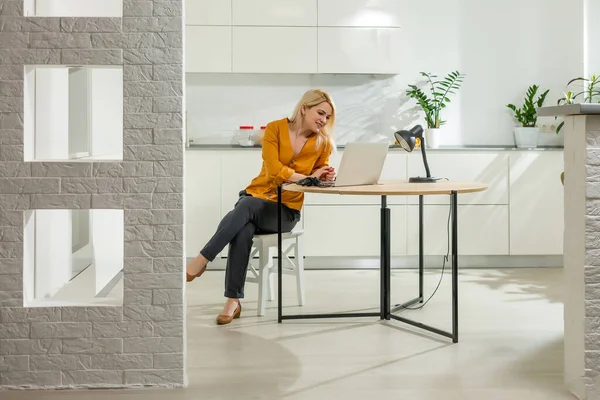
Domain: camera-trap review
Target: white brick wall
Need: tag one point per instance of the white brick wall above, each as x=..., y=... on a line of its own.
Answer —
x=142, y=342
x=592, y=259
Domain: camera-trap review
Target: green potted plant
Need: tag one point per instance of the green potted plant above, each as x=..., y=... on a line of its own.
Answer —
x=526, y=135
x=433, y=103
x=590, y=93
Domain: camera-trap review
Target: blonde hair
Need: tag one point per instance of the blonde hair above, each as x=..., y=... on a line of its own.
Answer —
x=313, y=98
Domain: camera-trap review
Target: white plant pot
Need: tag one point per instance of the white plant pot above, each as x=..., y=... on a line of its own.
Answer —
x=527, y=137
x=432, y=138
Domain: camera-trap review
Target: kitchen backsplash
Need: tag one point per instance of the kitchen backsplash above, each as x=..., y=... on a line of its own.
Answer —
x=369, y=107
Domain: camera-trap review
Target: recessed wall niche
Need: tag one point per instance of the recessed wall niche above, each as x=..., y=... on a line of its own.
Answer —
x=73, y=8
x=73, y=258
x=73, y=113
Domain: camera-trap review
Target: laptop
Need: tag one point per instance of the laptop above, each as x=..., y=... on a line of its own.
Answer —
x=362, y=163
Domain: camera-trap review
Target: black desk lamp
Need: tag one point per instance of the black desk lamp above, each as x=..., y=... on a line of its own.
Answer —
x=407, y=140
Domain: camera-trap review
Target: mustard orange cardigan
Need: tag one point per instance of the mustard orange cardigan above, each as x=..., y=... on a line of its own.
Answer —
x=279, y=163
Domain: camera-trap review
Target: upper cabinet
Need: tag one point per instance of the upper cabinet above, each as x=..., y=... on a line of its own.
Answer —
x=327, y=36
x=263, y=50
x=360, y=13
x=207, y=48
x=208, y=12
x=359, y=50
x=274, y=12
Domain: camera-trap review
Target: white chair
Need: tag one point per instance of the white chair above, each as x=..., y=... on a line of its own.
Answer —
x=262, y=273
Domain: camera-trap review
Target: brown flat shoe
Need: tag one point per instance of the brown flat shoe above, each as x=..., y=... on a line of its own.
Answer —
x=190, y=278
x=223, y=319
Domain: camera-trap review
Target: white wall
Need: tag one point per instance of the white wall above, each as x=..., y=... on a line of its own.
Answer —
x=48, y=257
x=592, y=37
x=502, y=47
x=108, y=239
x=70, y=110
x=52, y=251
x=79, y=112
x=28, y=257
x=51, y=114
x=107, y=113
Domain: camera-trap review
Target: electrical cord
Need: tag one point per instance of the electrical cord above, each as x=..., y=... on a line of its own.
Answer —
x=443, y=263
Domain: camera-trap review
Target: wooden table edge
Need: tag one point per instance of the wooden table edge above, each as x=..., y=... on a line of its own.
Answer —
x=395, y=188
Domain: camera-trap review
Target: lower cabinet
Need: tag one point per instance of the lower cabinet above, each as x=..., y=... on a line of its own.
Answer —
x=482, y=229
x=536, y=203
x=354, y=231
x=522, y=213
x=202, y=208
x=351, y=230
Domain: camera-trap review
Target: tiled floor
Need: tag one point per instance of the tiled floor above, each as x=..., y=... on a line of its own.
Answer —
x=510, y=342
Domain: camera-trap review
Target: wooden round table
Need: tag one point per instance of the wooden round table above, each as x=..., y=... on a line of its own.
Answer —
x=395, y=188
x=384, y=189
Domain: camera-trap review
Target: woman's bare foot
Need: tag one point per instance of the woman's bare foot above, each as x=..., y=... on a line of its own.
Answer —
x=231, y=310
x=196, y=267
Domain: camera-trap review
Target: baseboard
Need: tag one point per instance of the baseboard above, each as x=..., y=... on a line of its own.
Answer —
x=431, y=262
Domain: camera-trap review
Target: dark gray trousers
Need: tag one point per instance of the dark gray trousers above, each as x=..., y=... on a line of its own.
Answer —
x=249, y=216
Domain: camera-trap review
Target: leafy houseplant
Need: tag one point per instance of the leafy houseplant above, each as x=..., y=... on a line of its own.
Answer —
x=590, y=93
x=526, y=135
x=436, y=101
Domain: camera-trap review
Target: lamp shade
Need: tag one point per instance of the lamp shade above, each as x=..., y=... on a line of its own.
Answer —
x=407, y=138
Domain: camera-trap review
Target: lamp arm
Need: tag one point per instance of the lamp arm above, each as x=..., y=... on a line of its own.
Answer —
x=425, y=158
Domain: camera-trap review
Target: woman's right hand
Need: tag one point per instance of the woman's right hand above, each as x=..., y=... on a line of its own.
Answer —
x=321, y=172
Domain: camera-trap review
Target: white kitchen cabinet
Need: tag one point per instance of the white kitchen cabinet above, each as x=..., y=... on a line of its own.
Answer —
x=521, y=213
x=365, y=13
x=267, y=49
x=208, y=12
x=239, y=168
x=536, y=203
x=360, y=50
x=275, y=12
x=351, y=231
x=482, y=229
x=202, y=198
x=208, y=49
x=486, y=167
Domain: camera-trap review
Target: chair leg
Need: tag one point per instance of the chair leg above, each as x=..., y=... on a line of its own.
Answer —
x=270, y=272
x=299, y=261
x=263, y=284
x=271, y=292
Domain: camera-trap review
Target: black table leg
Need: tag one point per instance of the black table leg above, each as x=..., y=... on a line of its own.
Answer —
x=454, y=334
x=385, y=312
x=385, y=260
x=454, y=266
x=280, y=316
x=421, y=249
x=279, y=257
x=419, y=299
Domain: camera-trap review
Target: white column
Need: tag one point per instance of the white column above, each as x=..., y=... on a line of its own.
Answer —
x=581, y=255
x=591, y=37
x=574, y=253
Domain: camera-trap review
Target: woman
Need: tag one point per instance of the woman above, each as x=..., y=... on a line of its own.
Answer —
x=293, y=149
